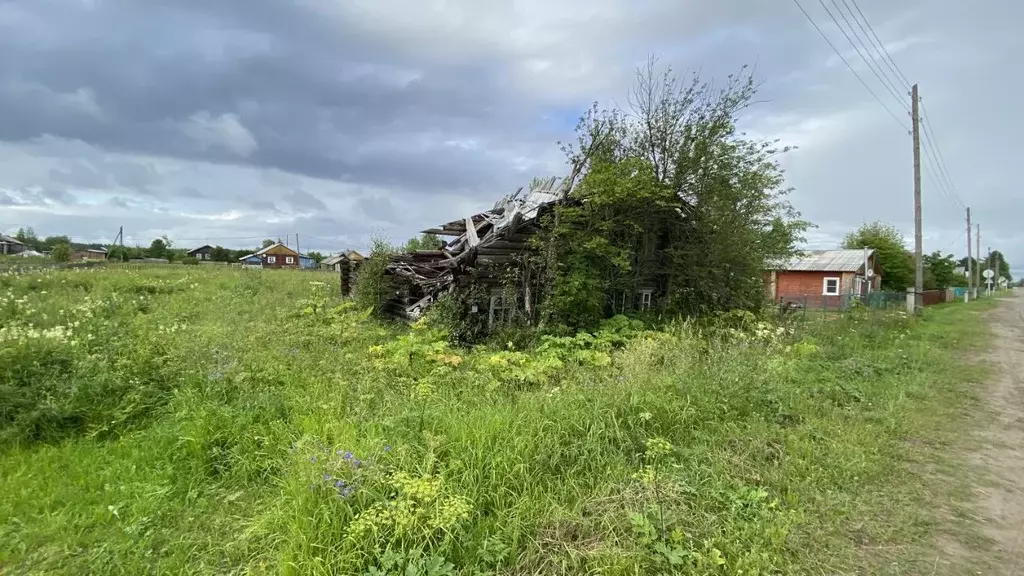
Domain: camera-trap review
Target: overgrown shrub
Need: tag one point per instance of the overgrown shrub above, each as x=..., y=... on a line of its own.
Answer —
x=372, y=287
x=190, y=261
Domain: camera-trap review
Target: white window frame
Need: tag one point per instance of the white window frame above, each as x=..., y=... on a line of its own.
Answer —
x=646, y=297
x=824, y=286
x=289, y=259
x=271, y=259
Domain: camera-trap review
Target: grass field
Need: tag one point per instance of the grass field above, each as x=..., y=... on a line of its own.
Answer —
x=182, y=420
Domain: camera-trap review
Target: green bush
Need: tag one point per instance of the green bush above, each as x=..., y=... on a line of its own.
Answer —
x=190, y=261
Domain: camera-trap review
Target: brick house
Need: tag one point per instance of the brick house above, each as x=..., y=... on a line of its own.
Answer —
x=278, y=256
x=823, y=278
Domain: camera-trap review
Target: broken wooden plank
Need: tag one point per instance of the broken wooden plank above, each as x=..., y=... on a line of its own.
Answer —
x=471, y=233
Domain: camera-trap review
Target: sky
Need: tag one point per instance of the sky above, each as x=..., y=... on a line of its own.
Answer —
x=336, y=120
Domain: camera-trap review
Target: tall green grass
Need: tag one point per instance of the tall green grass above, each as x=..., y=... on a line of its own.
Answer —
x=223, y=421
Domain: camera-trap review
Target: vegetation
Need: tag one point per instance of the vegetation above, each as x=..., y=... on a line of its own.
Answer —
x=372, y=287
x=673, y=201
x=61, y=252
x=897, y=265
x=156, y=421
x=422, y=242
x=940, y=272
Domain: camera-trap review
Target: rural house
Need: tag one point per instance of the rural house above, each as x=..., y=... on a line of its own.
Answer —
x=10, y=245
x=823, y=278
x=89, y=254
x=338, y=261
x=278, y=256
x=484, y=248
x=201, y=253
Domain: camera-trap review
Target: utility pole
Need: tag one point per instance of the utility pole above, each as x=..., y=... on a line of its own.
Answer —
x=970, y=268
x=991, y=280
x=297, y=249
x=918, y=257
x=977, y=254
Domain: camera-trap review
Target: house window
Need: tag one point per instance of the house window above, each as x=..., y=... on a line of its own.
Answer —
x=289, y=260
x=830, y=287
x=645, y=299
x=271, y=259
x=501, y=312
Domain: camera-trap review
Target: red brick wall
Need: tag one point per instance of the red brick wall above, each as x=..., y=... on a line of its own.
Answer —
x=806, y=288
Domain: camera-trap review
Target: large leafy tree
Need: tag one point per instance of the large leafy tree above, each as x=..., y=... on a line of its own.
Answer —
x=61, y=252
x=896, y=263
x=671, y=199
x=157, y=249
x=940, y=272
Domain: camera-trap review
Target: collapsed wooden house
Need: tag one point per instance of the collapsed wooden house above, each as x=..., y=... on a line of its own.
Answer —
x=483, y=249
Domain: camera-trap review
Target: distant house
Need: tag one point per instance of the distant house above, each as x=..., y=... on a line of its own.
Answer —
x=338, y=261
x=823, y=278
x=10, y=245
x=201, y=253
x=89, y=254
x=278, y=256
x=306, y=262
x=251, y=260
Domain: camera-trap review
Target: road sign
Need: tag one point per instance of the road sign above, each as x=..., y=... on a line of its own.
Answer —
x=988, y=273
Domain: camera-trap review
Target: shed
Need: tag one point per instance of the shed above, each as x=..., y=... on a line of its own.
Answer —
x=823, y=278
x=10, y=245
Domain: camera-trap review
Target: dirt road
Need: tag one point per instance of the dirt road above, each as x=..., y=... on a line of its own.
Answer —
x=998, y=457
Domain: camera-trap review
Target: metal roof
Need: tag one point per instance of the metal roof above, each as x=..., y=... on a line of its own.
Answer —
x=827, y=261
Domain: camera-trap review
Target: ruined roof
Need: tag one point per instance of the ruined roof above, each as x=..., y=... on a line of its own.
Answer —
x=827, y=261
x=496, y=236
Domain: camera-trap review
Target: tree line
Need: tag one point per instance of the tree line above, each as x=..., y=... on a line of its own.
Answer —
x=896, y=261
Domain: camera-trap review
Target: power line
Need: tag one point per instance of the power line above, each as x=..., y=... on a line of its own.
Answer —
x=895, y=93
x=845, y=61
x=890, y=62
x=956, y=240
x=930, y=134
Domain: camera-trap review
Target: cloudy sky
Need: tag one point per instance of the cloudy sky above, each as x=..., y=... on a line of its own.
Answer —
x=232, y=120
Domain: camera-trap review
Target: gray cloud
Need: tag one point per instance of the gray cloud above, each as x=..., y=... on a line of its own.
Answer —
x=240, y=118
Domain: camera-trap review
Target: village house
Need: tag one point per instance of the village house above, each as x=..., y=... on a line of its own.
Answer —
x=10, y=245
x=278, y=256
x=824, y=278
x=201, y=253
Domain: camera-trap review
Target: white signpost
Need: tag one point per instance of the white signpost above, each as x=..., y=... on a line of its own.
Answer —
x=988, y=274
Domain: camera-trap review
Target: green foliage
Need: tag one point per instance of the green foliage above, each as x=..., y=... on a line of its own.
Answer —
x=61, y=252
x=422, y=242
x=316, y=256
x=940, y=272
x=157, y=249
x=157, y=421
x=221, y=254
x=372, y=286
x=267, y=242
x=649, y=214
x=190, y=261
x=895, y=262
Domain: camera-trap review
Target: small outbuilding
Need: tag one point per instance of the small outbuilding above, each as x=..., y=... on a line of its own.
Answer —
x=824, y=278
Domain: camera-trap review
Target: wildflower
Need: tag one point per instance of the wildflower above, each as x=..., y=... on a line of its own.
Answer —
x=645, y=416
x=387, y=448
x=312, y=458
x=327, y=477
x=339, y=483
x=347, y=456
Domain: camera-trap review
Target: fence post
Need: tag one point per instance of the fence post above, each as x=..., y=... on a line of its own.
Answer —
x=910, y=300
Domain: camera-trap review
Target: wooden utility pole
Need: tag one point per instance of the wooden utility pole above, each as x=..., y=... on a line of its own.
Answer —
x=977, y=254
x=918, y=256
x=970, y=267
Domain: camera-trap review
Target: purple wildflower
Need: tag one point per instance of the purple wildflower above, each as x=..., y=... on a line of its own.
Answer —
x=387, y=448
x=327, y=477
x=348, y=456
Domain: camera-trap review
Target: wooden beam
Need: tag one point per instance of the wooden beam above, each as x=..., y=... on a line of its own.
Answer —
x=471, y=233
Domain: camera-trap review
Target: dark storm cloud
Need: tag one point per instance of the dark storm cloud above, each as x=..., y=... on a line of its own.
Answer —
x=137, y=76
